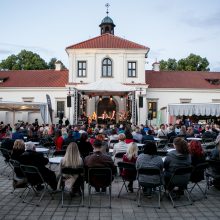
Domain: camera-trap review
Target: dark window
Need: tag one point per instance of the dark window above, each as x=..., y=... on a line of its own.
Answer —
x=131, y=69
x=60, y=107
x=106, y=68
x=152, y=109
x=81, y=68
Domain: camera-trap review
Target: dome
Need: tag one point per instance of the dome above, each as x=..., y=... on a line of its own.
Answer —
x=107, y=20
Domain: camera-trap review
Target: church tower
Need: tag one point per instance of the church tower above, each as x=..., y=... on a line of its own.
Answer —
x=107, y=25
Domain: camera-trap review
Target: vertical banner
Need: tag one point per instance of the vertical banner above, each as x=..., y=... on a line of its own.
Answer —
x=43, y=112
x=49, y=107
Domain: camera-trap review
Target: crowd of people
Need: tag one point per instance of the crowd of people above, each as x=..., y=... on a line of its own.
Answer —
x=89, y=147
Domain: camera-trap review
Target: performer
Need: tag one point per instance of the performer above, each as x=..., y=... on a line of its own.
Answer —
x=113, y=116
x=104, y=115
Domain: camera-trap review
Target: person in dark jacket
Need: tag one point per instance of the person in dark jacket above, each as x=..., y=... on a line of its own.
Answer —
x=85, y=147
x=98, y=159
x=33, y=158
x=179, y=157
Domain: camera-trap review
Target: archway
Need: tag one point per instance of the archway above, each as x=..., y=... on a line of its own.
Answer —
x=106, y=105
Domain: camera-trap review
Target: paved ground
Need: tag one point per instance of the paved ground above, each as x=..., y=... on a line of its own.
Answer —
x=11, y=206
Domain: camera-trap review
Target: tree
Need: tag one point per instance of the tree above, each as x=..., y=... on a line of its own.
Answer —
x=191, y=63
x=25, y=60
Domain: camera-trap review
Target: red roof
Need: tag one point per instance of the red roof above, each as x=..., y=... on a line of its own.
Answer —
x=182, y=79
x=107, y=41
x=34, y=78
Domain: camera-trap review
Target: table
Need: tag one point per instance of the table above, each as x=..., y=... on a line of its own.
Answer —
x=55, y=160
x=42, y=150
x=193, y=139
x=157, y=139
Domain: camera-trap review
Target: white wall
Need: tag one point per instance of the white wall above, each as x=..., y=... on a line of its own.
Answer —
x=94, y=58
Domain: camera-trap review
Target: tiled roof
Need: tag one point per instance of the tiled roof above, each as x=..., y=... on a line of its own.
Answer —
x=183, y=79
x=107, y=41
x=34, y=78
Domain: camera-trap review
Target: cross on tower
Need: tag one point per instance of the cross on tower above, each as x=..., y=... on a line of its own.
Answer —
x=107, y=6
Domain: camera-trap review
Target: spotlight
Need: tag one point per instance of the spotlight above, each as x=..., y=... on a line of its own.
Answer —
x=90, y=97
x=110, y=97
x=121, y=97
x=100, y=98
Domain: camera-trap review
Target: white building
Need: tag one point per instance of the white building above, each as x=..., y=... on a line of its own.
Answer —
x=106, y=73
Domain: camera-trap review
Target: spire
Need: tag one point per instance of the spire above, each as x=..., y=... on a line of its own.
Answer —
x=107, y=25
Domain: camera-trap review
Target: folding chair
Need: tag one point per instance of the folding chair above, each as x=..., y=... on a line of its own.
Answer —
x=207, y=140
x=99, y=178
x=131, y=169
x=34, y=178
x=162, y=143
x=58, y=153
x=80, y=179
x=149, y=172
x=213, y=172
x=18, y=181
x=197, y=176
x=180, y=179
x=6, y=154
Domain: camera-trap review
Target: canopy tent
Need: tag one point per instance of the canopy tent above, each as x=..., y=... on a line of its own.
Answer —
x=105, y=87
x=204, y=109
x=24, y=106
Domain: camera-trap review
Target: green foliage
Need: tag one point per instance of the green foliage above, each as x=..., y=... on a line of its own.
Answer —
x=191, y=63
x=27, y=60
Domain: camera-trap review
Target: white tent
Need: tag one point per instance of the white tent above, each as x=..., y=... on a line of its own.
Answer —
x=24, y=106
x=105, y=86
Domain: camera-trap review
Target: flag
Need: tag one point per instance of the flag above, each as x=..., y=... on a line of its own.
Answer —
x=49, y=107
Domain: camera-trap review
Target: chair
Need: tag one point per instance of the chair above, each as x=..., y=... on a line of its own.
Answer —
x=197, y=176
x=213, y=172
x=129, y=167
x=149, y=172
x=34, y=178
x=119, y=155
x=180, y=179
x=18, y=182
x=6, y=154
x=73, y=171
x=99, y=178
x=207, y=140
x=162, y=143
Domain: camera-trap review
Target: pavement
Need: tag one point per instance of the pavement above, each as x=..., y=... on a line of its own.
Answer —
x=125, y=207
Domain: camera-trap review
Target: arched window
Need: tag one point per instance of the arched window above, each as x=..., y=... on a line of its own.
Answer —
x=106, y=68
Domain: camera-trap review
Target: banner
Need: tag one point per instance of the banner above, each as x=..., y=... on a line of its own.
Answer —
x=49, y=107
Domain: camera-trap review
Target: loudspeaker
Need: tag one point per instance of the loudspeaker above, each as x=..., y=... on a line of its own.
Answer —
x=140, y=101
x=68, y=101
x=150, y=116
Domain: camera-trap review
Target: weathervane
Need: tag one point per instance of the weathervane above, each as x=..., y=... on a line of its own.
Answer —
x=107, y=6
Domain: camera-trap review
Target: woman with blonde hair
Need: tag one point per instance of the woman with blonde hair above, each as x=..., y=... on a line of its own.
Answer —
x=71, y=159
x=130, y=157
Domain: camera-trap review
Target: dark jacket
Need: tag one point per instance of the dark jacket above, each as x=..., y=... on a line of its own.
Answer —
x=98, y=159
x=175, y=160
x=85, y=148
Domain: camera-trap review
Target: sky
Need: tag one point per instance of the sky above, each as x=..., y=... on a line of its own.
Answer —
x=170, y=28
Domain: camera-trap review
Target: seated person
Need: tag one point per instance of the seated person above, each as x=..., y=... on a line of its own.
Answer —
x=58, y=140
x=128, y=135
x=33, y=158
x=215, y=155
x=148, y=136
x=130, y=157
x=121, y=146
x=18, y=150
x=7, y=144
x=149, y=159
x=71, y=159
x=179, y=157
x=99, y=159
x=84, y=146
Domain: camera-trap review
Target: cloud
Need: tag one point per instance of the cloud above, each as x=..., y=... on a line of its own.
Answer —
x=3, y=51
x=208, y=21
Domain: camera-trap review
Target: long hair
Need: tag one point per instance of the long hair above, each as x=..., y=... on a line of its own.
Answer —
x=72, y=156
x=195, y=148
x=181, y=145
x=19, y=145
x=132, y=150
x=150, y=148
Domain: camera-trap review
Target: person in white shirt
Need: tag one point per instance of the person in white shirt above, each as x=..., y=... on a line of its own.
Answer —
x=162, y=132
x=121, y=146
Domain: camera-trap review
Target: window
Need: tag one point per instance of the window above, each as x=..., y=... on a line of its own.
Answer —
x=60, y=108
x=216, y=100
x=132, y=69
x=107, y=68
x=81, y=68
x=152, y=109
